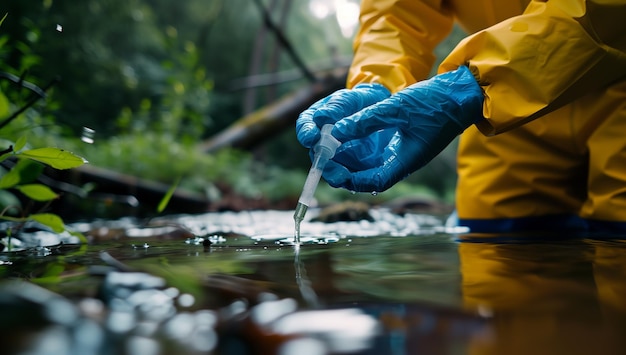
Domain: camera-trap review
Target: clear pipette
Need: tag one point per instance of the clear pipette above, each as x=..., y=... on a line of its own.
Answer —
x=323, y=151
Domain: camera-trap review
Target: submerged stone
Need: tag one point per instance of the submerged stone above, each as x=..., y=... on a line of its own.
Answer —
x=348, y=211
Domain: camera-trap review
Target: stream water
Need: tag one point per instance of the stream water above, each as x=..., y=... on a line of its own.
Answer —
x=235, y=283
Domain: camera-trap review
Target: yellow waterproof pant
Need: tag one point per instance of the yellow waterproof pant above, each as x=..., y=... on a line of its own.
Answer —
x=568, y=167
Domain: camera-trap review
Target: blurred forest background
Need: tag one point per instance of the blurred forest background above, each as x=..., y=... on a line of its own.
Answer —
x=137, y=86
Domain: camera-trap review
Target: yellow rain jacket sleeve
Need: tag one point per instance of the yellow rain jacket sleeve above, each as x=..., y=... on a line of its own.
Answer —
x=395, y=42
x=528, y=65
x=534, y=63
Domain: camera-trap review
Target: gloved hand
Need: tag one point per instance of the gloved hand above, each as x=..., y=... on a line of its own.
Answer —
x=404, y=131
x=334, y=107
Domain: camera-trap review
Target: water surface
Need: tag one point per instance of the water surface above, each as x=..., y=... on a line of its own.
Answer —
x=235, y=283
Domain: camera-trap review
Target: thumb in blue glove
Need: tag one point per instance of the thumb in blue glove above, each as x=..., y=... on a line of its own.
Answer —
x=425, y=118
x=334, y=107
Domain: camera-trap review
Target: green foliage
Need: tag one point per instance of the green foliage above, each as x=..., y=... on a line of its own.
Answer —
x=161, y=157
x=50, y=220
x=117, y=57
x=55, y=157
x=26, y=170
x=22, y=175
x=37, y=192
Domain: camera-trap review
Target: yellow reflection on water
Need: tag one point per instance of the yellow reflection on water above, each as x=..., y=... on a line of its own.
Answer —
x=547, y=298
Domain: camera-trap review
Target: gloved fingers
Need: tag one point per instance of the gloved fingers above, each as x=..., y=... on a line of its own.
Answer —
x=307, y=132
x=376, y=179
x=400, y=157
x=336, y=175
x=364, y=153
x=326, y=110
x=334, y=107
x=347, y=102
x=357, y=157
x=386, y=114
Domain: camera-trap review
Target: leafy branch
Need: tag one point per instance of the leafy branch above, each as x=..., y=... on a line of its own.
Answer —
x=19, y=177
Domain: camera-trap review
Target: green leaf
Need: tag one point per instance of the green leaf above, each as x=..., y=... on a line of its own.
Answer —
x=21, y=142
x=4, y=17
x=168, y=195
x=5, y=106
x=49, y=219
x=37, y=192
x=24, y=172
x=10, y=179
x=55, y=157
x=29, y=170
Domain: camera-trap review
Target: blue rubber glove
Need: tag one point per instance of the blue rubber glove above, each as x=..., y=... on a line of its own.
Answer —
x=334, y=107
x=423, y=119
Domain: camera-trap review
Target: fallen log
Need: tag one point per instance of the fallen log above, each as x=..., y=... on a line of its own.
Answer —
x=117, y=192
x=264, y=124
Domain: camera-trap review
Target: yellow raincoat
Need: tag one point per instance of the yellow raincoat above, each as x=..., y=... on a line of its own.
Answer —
x=563, y=61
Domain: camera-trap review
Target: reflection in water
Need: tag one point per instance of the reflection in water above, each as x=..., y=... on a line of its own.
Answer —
x=395, y=285
x=548, y=298
x=307, y=292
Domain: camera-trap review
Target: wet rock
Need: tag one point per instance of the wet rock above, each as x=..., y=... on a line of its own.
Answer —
x=344, y=212
x=279, y=327
x=27, y=304
x=222, y=289
x=144, y=233
x=34, y=320
x=123, y=284
x=417, y=204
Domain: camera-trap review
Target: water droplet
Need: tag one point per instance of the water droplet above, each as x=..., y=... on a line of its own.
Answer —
x=87, y=135
x=374, y=193
x=59, y=28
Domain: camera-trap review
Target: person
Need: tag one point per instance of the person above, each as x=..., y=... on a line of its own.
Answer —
x=537, y=92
